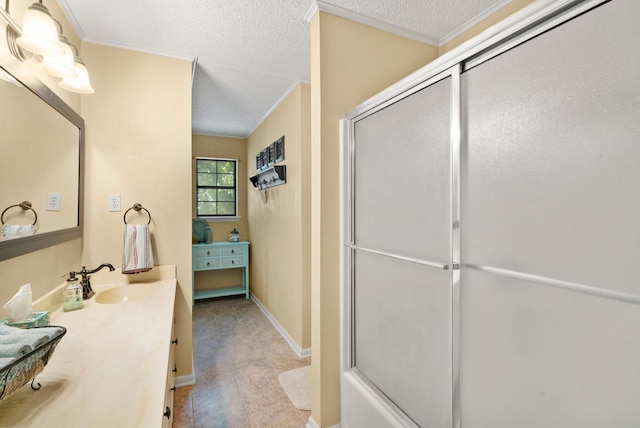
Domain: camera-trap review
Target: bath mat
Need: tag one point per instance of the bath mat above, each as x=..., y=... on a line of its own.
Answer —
x=296, y=384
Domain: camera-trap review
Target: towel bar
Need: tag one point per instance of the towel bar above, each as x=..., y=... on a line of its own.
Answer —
x=136, y=207
x=26, y=205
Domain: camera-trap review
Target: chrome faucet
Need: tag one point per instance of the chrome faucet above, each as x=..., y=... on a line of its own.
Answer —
x=87, y=291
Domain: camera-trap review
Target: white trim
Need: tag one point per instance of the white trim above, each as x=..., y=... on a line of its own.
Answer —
x=311, y=12
x=193, y=70
x=143, y=50
x=71, y=18
x=219, y=135
x=321, y=6
x=312, y=424
x=473, y=21
x=301, y=353
x=218, y=219
x=275, y=105
x=186, y=380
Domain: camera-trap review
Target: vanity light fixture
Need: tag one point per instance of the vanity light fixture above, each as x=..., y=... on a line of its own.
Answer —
x=80, y=83
x=41, y=35
x=60, y=65
x=39, y=32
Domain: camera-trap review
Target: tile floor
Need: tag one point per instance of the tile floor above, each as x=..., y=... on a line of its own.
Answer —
x=238, y=355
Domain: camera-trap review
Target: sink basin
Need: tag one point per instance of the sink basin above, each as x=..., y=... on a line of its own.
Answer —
x=123, y=293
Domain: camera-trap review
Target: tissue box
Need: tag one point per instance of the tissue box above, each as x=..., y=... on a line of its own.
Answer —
x=39, y=319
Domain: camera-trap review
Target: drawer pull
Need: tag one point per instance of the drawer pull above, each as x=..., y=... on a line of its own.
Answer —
x=208, y=264
x=172, y=389
x=175, y=368
x=167, y=413
x=175, y=342
x=233, y=251
x=208, y=253
x=233, y=262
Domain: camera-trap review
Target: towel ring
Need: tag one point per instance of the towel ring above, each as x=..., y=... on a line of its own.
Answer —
x=136, y=207
x=26, y=205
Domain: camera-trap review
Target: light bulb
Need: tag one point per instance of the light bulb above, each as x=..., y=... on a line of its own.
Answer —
x=60, y=65
x=80, y=83
x=39, y=32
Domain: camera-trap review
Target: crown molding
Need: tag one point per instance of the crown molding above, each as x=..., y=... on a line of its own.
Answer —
x=143, y=50
x=321, y=6
x=275, y=105
x=473, y=21
x=71, y=18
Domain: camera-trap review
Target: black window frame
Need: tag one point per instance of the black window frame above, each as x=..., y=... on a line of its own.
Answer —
x=215, y=187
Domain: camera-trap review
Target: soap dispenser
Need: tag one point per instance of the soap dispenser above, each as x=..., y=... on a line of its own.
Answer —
x=72, y=294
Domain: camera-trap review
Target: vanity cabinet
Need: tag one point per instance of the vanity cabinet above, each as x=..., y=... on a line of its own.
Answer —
x=221, y=255
x=117, y=359
x=167, y=419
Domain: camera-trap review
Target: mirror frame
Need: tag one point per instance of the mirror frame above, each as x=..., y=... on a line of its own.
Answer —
x=28, y=244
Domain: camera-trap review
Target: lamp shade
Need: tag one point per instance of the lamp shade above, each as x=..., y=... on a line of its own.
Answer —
x=60, y=65
x=39, y=32
x=80, y=83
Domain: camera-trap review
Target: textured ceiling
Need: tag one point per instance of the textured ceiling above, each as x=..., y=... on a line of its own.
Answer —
x=249, y=52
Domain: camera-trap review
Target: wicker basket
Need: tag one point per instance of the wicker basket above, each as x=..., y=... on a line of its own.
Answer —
x=24, y=369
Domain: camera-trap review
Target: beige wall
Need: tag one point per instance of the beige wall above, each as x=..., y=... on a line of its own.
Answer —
x=138, y=145
x=228, y=148
x=280, y=227
x=349, y=63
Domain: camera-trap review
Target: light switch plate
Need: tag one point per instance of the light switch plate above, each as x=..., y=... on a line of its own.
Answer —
x=53, y=201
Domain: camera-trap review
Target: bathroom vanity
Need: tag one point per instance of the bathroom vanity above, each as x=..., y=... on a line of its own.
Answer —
x=114, y=367
x=221, y=255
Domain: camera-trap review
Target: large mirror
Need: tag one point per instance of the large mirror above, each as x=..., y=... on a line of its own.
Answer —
x=41, y=141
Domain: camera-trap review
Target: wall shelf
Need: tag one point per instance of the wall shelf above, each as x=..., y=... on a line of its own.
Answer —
x=274, y=176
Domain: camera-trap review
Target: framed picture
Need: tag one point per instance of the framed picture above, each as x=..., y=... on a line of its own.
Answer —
x=272, y=154
x=279, y=149
x=259, y=161
x=264, y=154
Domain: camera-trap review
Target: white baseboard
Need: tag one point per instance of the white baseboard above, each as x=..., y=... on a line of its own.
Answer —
x=301, y=353
x=312, y=424
x=186, y=380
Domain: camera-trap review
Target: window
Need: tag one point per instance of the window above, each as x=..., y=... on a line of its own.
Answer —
x=216, y=187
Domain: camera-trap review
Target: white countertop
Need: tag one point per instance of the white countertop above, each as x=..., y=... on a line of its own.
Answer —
x=110, y=369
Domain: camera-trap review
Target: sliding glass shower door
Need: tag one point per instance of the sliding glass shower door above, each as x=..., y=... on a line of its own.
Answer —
x=550, y=228
x=401, y=253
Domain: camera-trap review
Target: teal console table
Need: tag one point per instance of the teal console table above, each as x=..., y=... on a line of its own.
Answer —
x=220, y=255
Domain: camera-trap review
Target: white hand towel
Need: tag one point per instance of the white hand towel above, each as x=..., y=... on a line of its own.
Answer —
x=12, y=231
x=137, y=256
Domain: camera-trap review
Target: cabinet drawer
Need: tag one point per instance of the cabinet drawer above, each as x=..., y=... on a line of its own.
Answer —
x=207, y=252
x=233, y=261
x=232, y=250
x=207, y=263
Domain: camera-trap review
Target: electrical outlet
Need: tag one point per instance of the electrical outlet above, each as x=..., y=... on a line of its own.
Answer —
x=114, y=202
x=53, y=201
